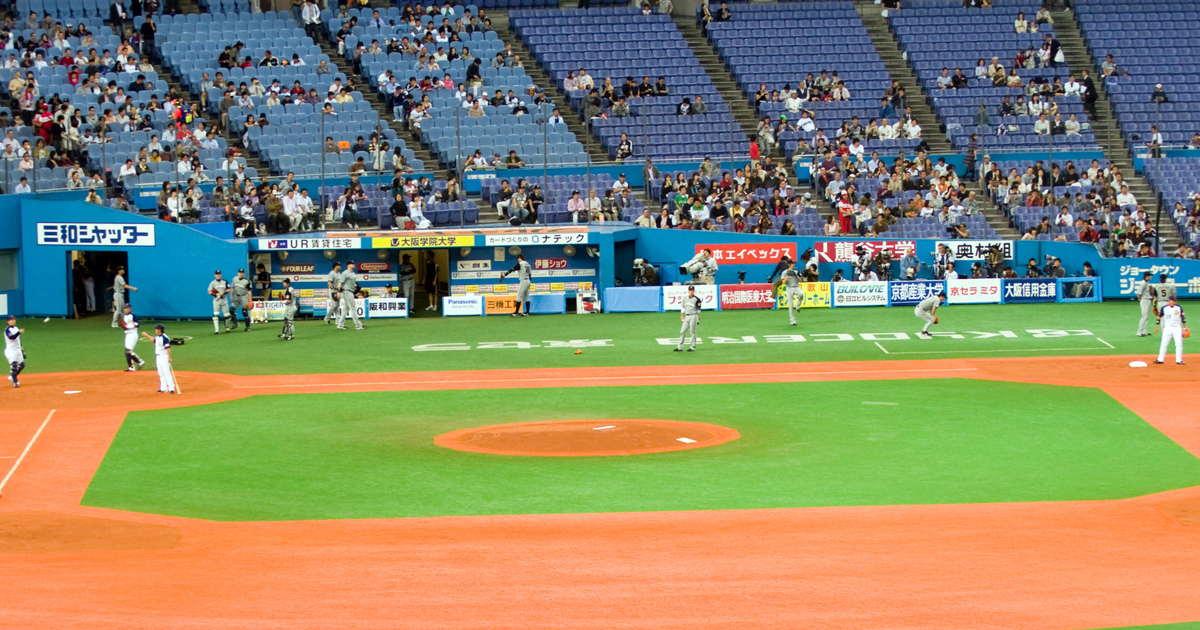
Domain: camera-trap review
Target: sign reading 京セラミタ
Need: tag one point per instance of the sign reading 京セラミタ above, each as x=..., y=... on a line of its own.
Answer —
x=973, y=291
x=100, y=234
x=673, y=295
x=860, y=294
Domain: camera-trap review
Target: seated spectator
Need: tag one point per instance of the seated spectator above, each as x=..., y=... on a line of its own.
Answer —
x=624, y=149
x=684, y=108
x=944, y=80
x=698, y=106
x=620, y=109
x=578, y=209
x=512, y=161
x=1159, y=95
x=959, y=80
x=1021, y=25
x=1042, y=126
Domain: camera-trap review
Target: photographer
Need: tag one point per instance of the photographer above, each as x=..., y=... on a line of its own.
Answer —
x=1033, y=271
x=910, y=265
x=1084, y=289
x=702, y=267
x=1054, y=268
x=644, y=274
x=943, y=261
x=994, y=262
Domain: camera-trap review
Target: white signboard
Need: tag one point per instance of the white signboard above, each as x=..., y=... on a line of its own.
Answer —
x=473, y=265
x=973, y=291
x=310, y=243
x=96, y=234
x=673, y=295
x=387, y=307
x=536, y=273
x=504, y=240
x=860, y=294
x=268, y=311
x=458, y=305
x=322, y=278
x=977, y=250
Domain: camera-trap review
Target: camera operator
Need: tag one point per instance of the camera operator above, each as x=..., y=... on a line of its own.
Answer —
x=943, y=262
x=702, y=267
x=883, y=264
x=910, y=265
x=994, y=262
x=1054, y=268
x=1032, y=269
x=1084, y=289
x=780, y=267
x=644, y=274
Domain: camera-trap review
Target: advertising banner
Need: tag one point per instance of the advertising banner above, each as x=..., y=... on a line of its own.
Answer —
x=310, y=243
x=100, y=234
x=816, y=295
x=973, y=291
x=673, y=296
x=746, y=296
x=387, y=307
x=500, y=304
x=321, y=307
x=977, y=250
x=268, y=311
x=423, y=241
x=560, y=238
x=843, y=251
x=1030, y=290
x=750, y=253
x=473, y=265
x=459, y=305
x=911, y=292
x=1122, y=275
x=860, y=294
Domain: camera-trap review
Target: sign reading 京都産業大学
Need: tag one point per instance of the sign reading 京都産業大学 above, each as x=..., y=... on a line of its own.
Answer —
x=96, y=234
x=911, y=292
x=310, y=243
x=860, y=294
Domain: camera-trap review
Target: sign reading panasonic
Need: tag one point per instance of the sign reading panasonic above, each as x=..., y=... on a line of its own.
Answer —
x=860, y=294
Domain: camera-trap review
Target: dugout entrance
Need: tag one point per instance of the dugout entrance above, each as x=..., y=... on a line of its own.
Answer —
x=90, y=281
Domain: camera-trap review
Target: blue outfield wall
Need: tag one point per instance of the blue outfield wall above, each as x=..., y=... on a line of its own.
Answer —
x=172, y=275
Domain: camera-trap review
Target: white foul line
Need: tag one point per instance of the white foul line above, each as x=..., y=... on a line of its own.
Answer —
x=26, y=451
x=1106, y=343
x=1009, y=350
x=602, y=378
x=611, y=426
x=882, y=348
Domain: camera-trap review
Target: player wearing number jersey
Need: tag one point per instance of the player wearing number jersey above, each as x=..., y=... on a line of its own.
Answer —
x=349, y=284
x=793, y=294
x=129, y=322
x=240, y=292
x=162, y=360
x=334, y=281
x=291, y=300
x=1171, y=320
x=13, y=353
x=689, y=315
x=927, y=310
x=525, y=274
x=219, y=290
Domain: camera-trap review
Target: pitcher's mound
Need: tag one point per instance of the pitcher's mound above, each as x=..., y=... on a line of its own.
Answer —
x=583, y=438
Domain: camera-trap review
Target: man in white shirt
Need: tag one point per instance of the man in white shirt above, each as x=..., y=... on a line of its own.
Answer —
x=127, y=169
x=793, y=102
x=944, y=81
x=23, y=187
x=584, y=80
x=304, y=205
x=1064, y=218
x=291, y=210
x=1126, y=198
x=1072, y=87
x=887, y=131
x=857, y=149
x=556, y=118
x=620, y=184
x=10, y=141
x=806, y=123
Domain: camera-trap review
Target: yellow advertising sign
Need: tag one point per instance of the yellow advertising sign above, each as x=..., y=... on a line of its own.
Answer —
x=423, y=242
x=500, y=304
x=471, y=288
x=816, y=295
x=499, y=288
x=558, y=287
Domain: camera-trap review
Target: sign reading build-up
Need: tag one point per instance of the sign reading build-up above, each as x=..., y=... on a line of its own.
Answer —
x=100, y=234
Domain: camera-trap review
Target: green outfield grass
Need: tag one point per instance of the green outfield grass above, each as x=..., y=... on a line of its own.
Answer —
x=1187, y=625
x=367, y=455
x=387, y=345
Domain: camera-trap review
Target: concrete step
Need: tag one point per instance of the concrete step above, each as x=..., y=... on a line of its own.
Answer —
x=719, y=74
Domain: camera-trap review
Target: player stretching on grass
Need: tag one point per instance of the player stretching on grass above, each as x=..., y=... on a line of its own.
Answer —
x=1171, y=319
x=129, y=322
x=12, y=350
x=291, y=301
x=927, y=310
x=162, y=359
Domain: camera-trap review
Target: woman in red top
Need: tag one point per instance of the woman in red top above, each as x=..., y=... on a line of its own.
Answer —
x=754, y=152
x=845, y=213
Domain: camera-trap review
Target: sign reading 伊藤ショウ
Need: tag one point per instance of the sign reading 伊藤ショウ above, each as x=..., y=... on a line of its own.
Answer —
x=750, y=253
x=99, y=234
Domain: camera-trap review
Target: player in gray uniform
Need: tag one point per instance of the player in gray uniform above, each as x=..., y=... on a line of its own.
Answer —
x=349, y=284
x=291, y=298
x=1163, y=291
x=219, y=290
x=927, y=310
x=791, y=279
x=119, y=301
x=689, y=314
x=13, y=354
x=408, y=281
x=334, y=280
x=1145, y=295
x=525, y=272
x=241, y=297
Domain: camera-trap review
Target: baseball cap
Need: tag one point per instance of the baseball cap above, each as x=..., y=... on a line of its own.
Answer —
x=217, y=272
x=241, y=271
x=159, y=327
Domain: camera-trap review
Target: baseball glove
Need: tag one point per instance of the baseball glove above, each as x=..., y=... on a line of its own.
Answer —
x=1186, y=333
x=935, y=320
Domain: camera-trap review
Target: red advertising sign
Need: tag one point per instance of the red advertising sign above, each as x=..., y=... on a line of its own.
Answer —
x=750, y=253
x=297, y=268
x=374, y=267
x=746, y=296
x=843, y=251
x=550, y=263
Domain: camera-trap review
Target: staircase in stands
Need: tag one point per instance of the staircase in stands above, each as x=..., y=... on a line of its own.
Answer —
x=1105, y=126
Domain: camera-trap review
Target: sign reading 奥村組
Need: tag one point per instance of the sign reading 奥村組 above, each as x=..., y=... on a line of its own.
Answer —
x=977, y=250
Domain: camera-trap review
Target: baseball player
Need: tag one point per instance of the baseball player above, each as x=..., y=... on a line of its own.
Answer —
x=241, y=297
x=791, y=279
x=119, y=301
x=291, y=298
x=689, y=314
x=525, y=273
x=162, y=359
x=1145, y=294
x=408, y=280
x=219, y=290
x=927, y=310
x=13, y=353
x=1163, y=291
x=129, y=322
x=1171, y=320
x=334, y=280
x=349, y=284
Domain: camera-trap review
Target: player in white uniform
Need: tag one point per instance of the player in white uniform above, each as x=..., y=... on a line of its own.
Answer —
x=349, y=284
x=129, y=322
x=927, y=310
x=291, y=298
x=13, y=354
x=793, y=294
x=1171, y=320
x=162, y=359
x=334, y=280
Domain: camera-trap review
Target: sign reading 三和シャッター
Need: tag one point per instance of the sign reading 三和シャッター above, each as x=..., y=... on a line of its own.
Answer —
x=978, y=250
x=387, y=307
x=860, y=294
x=973, y=291
x=734, y=296
x=550, y=238
x=673, y=295
x=750, y=253
x=96, y=234
x=1031, y=290
x=309, y=243
x=844, y=251
x=911, y=292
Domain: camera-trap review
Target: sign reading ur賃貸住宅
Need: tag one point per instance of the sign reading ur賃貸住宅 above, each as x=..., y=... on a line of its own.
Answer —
x=309, y=243
x=96, y=234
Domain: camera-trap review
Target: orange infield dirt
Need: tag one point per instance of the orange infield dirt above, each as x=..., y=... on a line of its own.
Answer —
x=1067, y=565
x=578, y=438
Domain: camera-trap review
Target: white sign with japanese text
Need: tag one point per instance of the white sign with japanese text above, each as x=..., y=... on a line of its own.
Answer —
x=860, y=294
x=310, y=243
x=673, y=295
x=98, y=234
x=977, y=250
x=572, y=238
x=387, y=307
x=973, y=291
